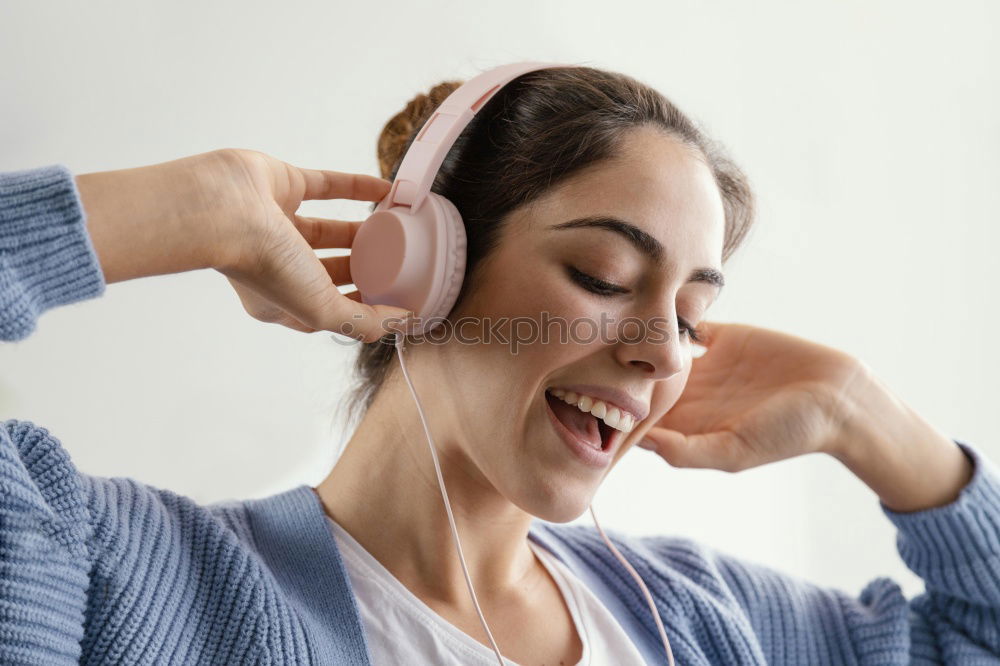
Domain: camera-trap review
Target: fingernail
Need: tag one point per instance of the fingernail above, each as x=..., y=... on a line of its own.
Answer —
x=646, y=444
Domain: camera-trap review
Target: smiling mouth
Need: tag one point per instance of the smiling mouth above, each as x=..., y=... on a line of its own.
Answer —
x=588, y=428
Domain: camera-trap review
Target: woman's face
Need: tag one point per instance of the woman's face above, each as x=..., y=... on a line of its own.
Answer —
x=654, y=215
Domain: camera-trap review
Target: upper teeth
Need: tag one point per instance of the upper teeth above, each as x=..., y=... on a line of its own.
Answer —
x=613, y=416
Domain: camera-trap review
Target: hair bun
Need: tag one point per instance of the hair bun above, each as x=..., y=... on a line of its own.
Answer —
x=398, y=132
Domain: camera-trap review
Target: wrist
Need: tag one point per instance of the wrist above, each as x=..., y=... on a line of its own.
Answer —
x=904, y=459
x=149, y=220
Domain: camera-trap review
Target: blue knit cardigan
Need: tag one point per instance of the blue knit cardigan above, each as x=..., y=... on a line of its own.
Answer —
x=102, y=570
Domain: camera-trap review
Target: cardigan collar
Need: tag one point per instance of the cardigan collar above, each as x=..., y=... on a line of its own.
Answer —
x=295, y=542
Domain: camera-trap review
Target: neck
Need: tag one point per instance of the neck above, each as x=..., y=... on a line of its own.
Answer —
x=384, y=492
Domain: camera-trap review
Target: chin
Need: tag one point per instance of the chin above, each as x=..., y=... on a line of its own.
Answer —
x=558, y=504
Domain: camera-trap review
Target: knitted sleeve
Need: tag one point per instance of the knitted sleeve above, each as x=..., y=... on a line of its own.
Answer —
x=97, y=570
x=955, y=549
x=46, y=256
x=44, y=556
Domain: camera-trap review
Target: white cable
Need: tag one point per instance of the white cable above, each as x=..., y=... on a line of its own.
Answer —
x=635, y=574
x=444, y=495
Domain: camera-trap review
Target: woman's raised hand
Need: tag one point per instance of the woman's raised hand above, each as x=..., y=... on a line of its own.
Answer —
x=235, y=211
x=757, y=396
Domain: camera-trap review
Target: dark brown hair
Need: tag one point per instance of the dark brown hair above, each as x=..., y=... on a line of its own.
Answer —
x=535, y=132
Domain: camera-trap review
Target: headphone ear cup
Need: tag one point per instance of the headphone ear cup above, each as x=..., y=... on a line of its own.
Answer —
x=455, y=256
x=412, y=260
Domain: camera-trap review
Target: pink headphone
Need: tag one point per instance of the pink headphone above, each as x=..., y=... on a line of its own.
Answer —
x=410, y=253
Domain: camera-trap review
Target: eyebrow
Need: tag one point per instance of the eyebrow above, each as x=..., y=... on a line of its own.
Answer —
x=643, y=242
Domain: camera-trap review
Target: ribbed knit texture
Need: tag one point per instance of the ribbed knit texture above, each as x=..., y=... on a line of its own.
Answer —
x=46, y=257
x=112, y=571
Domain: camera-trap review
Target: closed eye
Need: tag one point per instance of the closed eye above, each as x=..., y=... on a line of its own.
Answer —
x=593, y=284
x=605, y=288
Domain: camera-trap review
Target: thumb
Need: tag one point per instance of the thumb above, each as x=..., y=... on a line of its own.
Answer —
x=714, y=450
x=367, y=323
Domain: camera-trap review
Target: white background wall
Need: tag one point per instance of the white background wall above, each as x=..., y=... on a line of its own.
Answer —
x=870, y=130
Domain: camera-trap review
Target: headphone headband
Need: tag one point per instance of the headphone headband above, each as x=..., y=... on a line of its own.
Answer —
x=424, y=157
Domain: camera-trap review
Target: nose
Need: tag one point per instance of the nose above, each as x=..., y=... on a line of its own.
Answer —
x=658, y=350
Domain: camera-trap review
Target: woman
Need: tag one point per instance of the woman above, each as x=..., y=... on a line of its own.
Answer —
x=586, y=195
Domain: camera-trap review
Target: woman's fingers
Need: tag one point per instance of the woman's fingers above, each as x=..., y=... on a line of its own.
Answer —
x=302, y=288
x=286, y=282
x=335, y=312
x=323, y=184
x=346, y=315
x=322, y=233
x=339, y=269
x=295, y=324
x=263, y=310
x=722, y=450
x=354, y=295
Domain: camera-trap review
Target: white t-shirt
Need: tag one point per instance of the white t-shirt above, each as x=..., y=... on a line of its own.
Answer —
x=402, y=629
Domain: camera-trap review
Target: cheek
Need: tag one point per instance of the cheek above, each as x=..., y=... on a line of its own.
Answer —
x=516, y=304
x=533, y=292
